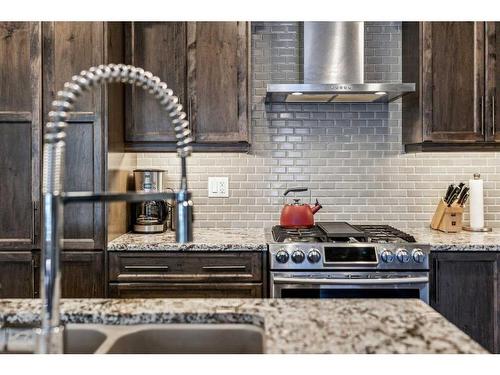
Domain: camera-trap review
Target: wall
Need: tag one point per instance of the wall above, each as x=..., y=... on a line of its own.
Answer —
x=349, y=155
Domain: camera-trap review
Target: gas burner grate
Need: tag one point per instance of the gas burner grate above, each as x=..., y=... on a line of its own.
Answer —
x=313, y=234
x=385, y=234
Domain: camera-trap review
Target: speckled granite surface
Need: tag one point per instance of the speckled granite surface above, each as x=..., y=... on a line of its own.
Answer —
x=462, y=241
x=256, y=240
x=204, y=240
x=291, y=326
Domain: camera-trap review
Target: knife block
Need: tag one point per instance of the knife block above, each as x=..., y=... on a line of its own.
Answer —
x=447, y=219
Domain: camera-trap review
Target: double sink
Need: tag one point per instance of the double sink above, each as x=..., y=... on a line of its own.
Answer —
x=164, y=339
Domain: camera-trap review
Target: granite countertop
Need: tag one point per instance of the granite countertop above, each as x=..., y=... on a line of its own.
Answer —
x=290, y=326
x=462, y=241
x=221, y=239
x=218, y=239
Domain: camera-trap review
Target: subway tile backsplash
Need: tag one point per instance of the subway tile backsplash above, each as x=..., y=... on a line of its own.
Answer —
x=349, y=155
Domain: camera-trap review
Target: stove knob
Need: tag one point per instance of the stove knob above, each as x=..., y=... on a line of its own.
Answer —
x=298, y=256
x=418, y=255
x=403, y=255
x=387, y=256
x=282, y=256
x=314, y=256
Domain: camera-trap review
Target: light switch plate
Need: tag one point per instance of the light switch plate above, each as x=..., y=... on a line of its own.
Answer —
x=218, y=187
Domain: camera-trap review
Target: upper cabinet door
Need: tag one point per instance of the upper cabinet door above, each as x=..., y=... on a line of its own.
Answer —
x=158, y=47
x=453, y=81
x=20, y=111
x=218, y=54
x=69, y=48
x=492, y=81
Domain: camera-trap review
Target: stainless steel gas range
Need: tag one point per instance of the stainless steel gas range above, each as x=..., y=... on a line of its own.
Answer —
x=339, y=260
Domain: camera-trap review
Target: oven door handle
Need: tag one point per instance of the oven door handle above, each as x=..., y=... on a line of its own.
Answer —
x=401, y=280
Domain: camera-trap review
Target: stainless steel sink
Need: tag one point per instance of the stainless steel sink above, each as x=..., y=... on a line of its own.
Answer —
x=83, y=340
x=165, y=339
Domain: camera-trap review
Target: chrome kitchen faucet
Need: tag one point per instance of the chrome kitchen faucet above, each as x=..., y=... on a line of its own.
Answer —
x=50, y=335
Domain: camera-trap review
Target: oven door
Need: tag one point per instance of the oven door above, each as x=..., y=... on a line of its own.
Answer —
x=350, y=285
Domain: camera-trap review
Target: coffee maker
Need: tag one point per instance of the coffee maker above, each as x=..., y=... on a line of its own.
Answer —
x=149, y=216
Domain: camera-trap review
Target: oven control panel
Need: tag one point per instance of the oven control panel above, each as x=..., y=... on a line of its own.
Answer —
x=324, y=256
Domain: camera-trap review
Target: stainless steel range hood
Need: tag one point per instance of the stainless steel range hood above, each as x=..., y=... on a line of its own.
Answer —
x=334, y=69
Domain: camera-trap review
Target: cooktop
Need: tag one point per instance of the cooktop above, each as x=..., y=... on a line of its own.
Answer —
x=341, y=232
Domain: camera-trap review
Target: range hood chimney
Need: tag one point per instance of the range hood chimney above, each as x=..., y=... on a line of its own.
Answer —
x=334, y=69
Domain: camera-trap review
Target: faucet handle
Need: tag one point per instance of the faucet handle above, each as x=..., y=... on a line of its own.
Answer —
x=18, y=338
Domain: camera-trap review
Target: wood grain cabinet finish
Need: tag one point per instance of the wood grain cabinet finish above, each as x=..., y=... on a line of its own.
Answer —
x=82, y=274
x=465, y=289
x=69, y=48
x=20, y=124
x=207, y=66
x=16, y=274
x=450, y=110
x=158, y=47
x=493, y=81
x=198, y=274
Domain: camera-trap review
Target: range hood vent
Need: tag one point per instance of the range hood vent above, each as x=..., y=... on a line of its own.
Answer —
x=334, y=69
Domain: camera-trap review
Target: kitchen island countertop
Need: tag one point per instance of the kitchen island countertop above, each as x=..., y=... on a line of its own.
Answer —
x=290, y=326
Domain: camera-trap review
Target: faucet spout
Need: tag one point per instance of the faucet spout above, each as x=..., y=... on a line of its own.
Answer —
x=50, y=335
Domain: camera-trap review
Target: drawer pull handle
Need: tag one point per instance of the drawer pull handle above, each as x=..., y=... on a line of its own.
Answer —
x=147, y=268
x=224, y=268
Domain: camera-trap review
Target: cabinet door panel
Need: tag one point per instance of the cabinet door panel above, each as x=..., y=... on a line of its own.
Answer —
x=492, y=80
x=217, y=80
x=454, y=81
x=70, y=47
x=15, y=67
x=465, y=291
x=16, y=275
x=76, y=46
x=158, y=47
x=187, y=290
x=16, y=218
x=82, y=274
x=20, y=100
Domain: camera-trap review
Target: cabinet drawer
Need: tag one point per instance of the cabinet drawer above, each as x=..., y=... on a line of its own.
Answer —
x=185, y=290
x=186, y=267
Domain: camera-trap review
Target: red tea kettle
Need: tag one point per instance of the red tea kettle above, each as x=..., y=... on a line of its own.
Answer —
x=298, y=215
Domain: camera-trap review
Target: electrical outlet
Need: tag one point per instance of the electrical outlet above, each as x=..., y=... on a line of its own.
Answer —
x=218, y=187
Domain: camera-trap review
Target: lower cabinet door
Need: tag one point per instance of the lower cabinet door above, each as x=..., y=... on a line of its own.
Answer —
x=82, y=274
x=465, y=289
x=185, y=290
x=16, y=274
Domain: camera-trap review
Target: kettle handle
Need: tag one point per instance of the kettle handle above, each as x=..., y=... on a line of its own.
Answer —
x=295, y=190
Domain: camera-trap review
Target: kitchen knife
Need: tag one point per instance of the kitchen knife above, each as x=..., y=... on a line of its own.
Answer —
x=464, y=191
x=453, y=196
x=464, y=199
x=448, y=192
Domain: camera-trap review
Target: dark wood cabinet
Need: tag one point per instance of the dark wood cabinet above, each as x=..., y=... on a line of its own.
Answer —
x=20, y=124
x=69, y=48
x=185, y=290
x=158, y=47
x=450, y=110
x=493, y=80
x=176, y=274
x=465, y=289
x=17, y=276
x=207, y=66
x=82, y=274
